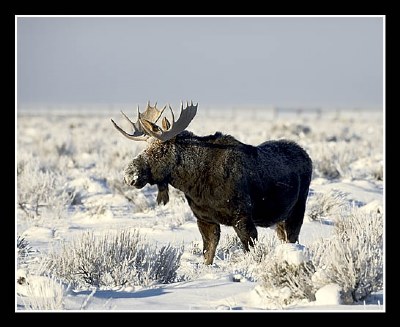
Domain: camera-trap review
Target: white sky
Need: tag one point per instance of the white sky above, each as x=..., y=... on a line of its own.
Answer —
x=263, y=61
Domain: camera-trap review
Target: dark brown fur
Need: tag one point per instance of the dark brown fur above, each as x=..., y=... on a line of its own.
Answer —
x=231, y=183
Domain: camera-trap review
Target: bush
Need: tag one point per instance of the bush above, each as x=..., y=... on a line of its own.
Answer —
x=39, y=188
x=177, y=211
x=368, y=168
x=24, y=250
x=286, y=274
x=332, y=160
x=114, y=260
x=229, y=245
x=323, y=205
x=353, y=257
x=284, y=282
x=252, y=264
x=230, y=257
x=42, y=293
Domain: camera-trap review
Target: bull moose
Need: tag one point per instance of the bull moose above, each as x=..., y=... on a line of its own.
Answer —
x=224, y=180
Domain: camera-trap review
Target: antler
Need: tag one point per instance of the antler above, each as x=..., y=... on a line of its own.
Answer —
x=151, y=114
x=173, y=129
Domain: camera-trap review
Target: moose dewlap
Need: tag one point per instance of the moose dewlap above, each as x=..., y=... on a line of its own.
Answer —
x=225, y=181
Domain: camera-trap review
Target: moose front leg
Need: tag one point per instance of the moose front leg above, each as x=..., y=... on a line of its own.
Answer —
x=162, y=196
x=246, y=231
x=210, y=233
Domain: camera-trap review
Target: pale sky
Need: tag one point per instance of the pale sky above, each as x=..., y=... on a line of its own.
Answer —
x=225, y=61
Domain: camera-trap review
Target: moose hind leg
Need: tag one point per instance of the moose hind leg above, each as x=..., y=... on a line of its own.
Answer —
x=289, y=230
x=246, y=231
x=281, y=231
x=210, y=233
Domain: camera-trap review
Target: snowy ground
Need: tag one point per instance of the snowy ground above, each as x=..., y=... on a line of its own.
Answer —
x=80, y=154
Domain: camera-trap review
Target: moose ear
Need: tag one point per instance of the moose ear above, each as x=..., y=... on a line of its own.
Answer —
x=149, y=126
x=165, y=124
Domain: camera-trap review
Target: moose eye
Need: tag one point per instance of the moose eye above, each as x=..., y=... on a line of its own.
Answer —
x=155, y=128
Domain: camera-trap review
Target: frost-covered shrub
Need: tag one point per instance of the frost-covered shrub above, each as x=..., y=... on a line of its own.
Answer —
x=159, y=265
x=284, y=282
x=288, y=129
x=39, y=188
x=195, y=248
x=323, y=205
x=377, y=172
x=353, y=257
x=332, y=160
x=142, y=200
x=179, y=213
x=251, y=264
x=230, y=257
x=286, y=274
x=114, y=259
x=176, y=212
x=41, y=293
x=368, y=168
x=66, y=148
x=344, y=133
x=353, y=159
x=228, y=247
x=24, y=250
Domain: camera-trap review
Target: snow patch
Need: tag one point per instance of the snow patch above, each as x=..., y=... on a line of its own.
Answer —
x=320, y=181
x=362, y=168
x=329, y=295
x=37, y=286
x=106, y=199
x=374, y=206
x=294, y=254
x=320, y=278
x=86, y=185
x=38, y=233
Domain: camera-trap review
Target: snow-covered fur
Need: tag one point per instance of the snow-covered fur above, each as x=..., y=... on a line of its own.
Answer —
x=231, y=183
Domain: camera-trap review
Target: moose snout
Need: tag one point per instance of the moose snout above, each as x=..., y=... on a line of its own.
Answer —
x=131, y=175
x=134, y=176
x=131, y=178
x=129, y=181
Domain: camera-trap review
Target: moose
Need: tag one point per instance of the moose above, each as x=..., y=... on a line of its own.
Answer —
x=224, y=180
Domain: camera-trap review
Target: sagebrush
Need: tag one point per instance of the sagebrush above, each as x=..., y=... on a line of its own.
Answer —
x=24, y=250
x=114, y=259
x=353, y=256
x=325, y=205
x=46, y=294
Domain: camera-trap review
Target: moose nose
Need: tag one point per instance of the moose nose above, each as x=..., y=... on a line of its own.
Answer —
x=131, y=179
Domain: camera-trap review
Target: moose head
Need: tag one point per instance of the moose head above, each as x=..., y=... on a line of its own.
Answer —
x=156, y=163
